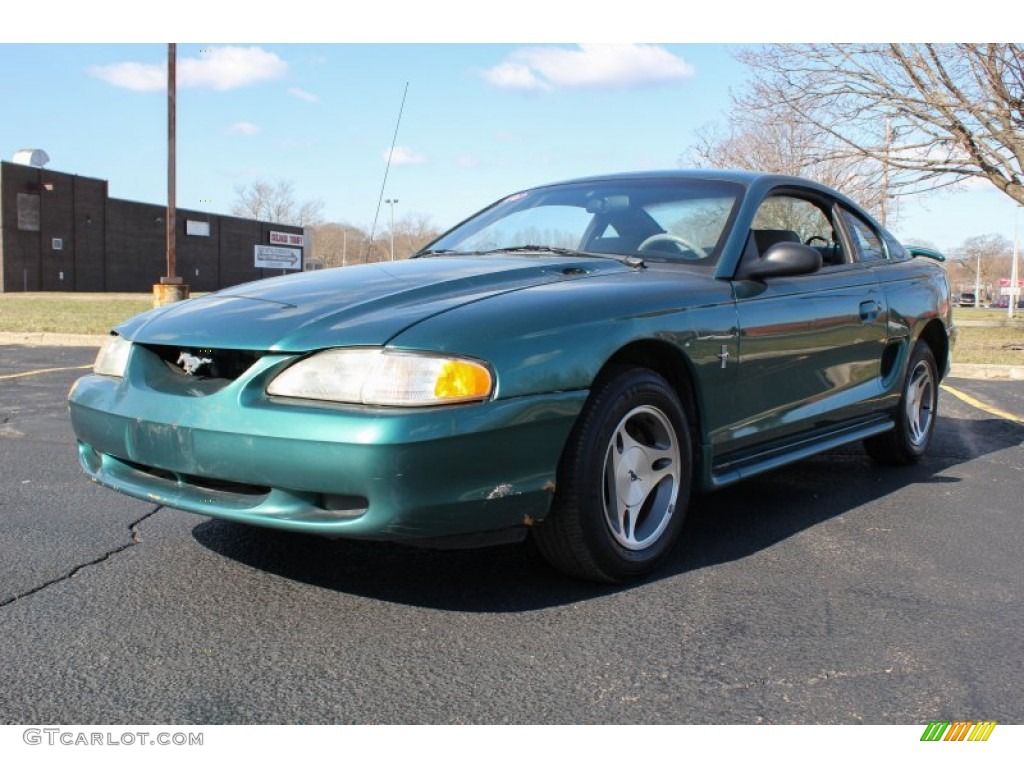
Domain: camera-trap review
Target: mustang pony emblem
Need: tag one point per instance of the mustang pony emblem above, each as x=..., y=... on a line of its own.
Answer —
x=191, y=363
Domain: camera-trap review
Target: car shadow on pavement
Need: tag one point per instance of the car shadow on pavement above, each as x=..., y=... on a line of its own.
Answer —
x=728, y=525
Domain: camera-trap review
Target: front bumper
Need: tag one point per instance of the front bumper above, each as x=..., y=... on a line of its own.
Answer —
x=358, y=472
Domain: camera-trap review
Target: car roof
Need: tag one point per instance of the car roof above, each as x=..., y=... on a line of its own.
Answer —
x=753, y=181
x=728, y=174
x=745, y=178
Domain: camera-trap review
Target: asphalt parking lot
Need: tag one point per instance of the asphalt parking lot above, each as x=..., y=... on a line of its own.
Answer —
x=833, y=591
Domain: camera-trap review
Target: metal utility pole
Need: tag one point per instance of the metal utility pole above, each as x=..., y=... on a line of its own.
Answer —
x=171, y=287
x=172, y=119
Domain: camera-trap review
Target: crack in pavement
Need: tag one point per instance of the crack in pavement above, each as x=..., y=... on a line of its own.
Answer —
x=133, y=527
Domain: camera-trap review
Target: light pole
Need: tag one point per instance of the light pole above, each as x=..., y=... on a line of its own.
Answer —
x=392, y=201
x=1011, y=305
x=977, y=283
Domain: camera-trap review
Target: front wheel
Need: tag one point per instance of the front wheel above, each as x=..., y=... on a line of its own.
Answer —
x=623, y=483
x=915, y=415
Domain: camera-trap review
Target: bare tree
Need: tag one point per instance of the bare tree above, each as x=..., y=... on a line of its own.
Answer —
x=275, y=203
x=339, y=245
x=981, y=261
x=932, y=114
x=781, y=143
x=412, y=232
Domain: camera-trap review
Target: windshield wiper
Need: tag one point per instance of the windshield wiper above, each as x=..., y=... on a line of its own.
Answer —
x=434, y=252
x=533, y=249
x=629, y=261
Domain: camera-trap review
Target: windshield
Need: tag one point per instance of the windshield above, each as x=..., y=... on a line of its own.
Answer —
x=658, y=219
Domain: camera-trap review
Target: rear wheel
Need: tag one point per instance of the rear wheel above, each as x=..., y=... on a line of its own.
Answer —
x=623, y=483
x=915, y=415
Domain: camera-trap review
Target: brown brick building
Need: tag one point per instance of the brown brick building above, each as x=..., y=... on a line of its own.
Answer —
x=61, y=232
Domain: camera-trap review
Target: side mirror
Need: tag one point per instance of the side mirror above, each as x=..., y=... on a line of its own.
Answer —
x=786, y=259
x=928, y=253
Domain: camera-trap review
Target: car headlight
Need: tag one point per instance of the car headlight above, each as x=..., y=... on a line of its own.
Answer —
x=113, y=357
x=384, y=377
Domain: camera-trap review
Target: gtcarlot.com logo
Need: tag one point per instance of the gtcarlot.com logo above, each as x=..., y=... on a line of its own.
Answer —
x=73, y=738
x=958, y=730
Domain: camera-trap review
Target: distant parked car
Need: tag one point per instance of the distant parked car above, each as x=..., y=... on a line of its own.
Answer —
x=1003, y=302
x=967, y=299
x=571, y=363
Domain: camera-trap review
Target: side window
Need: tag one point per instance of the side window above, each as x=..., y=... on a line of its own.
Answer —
x=866, y=242
x=785, y=218
x=896, y=251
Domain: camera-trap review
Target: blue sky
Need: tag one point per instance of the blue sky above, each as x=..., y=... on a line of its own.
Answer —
x=480, y=118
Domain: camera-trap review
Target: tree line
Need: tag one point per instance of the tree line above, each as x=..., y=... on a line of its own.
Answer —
x=335, y=244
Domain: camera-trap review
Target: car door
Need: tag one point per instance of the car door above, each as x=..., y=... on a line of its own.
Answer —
x=810, y=345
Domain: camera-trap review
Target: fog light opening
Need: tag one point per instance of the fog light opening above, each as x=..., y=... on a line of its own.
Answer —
x=343, y=507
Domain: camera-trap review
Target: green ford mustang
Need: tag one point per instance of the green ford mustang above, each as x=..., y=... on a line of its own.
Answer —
x=572, y=363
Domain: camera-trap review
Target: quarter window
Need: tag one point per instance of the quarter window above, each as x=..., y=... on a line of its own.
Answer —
x=896, y=251
x=866, y=243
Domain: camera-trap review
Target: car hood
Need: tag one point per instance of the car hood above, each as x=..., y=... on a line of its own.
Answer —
x=363, y=305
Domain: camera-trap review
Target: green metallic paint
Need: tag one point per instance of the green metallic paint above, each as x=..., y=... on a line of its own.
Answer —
x=801, y=376
x=425, y=472
x=358, y=306
x=824, y=356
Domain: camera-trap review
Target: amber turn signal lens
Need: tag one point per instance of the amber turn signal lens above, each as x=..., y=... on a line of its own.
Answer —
x=462, y=380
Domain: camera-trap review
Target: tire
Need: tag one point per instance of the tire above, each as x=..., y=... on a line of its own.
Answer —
x=915, y=414
x=623, y=482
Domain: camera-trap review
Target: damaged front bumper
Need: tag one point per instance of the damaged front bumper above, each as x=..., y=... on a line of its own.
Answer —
x=342, y=471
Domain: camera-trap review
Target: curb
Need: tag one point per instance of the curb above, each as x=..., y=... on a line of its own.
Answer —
x=983, y=371
x=33, y=339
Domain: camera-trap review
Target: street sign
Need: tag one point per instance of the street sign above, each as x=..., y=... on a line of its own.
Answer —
x=275, y=257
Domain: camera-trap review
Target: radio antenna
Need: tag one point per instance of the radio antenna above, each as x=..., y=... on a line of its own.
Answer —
x=387, y=167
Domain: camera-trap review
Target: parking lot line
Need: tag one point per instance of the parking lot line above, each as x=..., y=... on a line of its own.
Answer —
x=39, y=371
x=983, y=406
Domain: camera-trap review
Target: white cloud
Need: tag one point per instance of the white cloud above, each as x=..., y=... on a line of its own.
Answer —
x=243, y=128
x=302, y=95
x=514, y=75
x=231, y=67
x=588, y=66
x=220, y=69
x=404, y=156
x=132, y=75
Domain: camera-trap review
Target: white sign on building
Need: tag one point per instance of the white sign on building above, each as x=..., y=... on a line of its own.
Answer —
x=275, y=257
